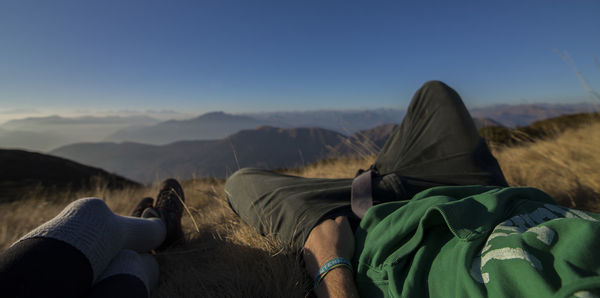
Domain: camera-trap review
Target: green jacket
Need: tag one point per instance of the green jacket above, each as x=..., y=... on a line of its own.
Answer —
x=475, y=241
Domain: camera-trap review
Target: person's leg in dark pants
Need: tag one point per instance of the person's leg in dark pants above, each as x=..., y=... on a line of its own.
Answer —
x=43, y=267
x=438, y=144
x=285, y=206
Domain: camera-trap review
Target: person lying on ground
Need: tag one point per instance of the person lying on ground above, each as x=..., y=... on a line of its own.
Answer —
x=433, y=216
x=89, y=251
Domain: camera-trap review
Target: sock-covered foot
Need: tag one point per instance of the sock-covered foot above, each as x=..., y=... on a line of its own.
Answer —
x=169, y=207
x=91, y=227
x=141, y=206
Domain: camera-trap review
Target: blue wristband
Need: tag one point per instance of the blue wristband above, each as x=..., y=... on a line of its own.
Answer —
x=328, y=266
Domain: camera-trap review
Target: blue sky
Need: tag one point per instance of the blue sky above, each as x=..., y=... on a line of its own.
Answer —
x=242, y=56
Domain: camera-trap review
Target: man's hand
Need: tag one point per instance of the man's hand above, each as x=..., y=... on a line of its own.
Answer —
x=331, y=239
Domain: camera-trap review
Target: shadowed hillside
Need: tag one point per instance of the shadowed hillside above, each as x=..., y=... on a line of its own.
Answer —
x=24, y=172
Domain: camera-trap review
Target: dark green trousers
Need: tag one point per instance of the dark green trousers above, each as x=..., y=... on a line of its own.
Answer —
x=436, y=144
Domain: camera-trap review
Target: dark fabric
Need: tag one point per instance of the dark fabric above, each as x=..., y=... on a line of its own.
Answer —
x=44, y=267
x=119, y=286
x=285, y=206
x=436, y=144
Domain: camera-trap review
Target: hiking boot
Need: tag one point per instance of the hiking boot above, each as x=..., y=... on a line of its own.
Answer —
x=141, y=206
x=169, y=206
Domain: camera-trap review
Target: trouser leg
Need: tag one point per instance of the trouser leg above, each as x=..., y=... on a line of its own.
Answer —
x=438, y=144
x=44, y=267
x=287, y=207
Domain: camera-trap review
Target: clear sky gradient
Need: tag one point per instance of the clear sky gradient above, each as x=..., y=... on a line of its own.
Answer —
x=245, y=56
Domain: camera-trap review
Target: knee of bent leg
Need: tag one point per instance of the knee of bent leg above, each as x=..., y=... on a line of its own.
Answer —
x=242, y=172
x=435, y=85
x=88, y=206
x=235, y=180
x=240, y=175
x=240, y=185
x=439, y=92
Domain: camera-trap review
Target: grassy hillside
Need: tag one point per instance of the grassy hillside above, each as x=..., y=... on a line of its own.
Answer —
x=23, y=172
x=567, y=166
x=547, y=128
x=225, y=258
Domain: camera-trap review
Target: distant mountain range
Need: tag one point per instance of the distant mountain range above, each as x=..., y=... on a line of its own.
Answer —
x=22, y=172
x=46, y=133
x=344, y=122
x=209, y=126
x=218, y=125
x=57, y=122
x=265, y=147
x=525, y=114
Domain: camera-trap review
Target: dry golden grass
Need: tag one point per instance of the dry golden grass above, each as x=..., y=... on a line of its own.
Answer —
x=343, y=167
x=223, y=257
x=566, y=167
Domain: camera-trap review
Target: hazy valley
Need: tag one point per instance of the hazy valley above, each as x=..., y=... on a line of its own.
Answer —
x=47, y=133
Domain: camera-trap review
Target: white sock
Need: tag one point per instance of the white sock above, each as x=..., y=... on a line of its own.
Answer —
x=142, y=266
x=142, y=234
x=91, y=227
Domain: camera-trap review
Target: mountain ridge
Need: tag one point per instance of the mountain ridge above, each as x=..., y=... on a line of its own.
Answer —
x=23, y=171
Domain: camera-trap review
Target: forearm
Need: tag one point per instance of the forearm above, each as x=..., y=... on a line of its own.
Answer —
x=337, y=283
x=331, y=239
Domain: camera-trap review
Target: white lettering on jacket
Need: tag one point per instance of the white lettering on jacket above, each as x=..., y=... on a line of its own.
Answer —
x=521, y=224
